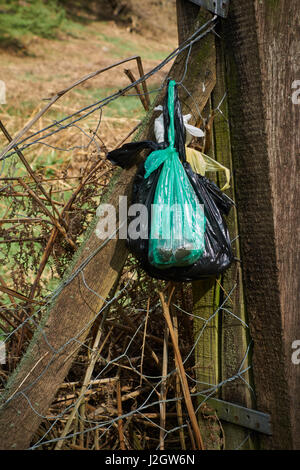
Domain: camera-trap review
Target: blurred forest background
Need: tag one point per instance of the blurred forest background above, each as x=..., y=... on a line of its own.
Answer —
x=74, y=38
x=20, y=18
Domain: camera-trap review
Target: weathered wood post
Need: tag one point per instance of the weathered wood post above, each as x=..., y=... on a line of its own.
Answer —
x=222, y=339
x=261, y=47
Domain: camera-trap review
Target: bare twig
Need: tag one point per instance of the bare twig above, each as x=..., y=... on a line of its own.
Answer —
x=142, y=97
x=35, y=365
x=177, y=386
x=48, y=213
x=128, y=135
x=120, y=413
x=85, y=384
x=163, y=390
x=144, y=84
x=27, y=166
x=183, y=378
x=144, y=339
x=13, y=293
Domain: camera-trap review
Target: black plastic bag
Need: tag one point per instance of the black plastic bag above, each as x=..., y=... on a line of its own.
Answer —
x=217, y=255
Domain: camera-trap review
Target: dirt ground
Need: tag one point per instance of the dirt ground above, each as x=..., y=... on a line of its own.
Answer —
x=51, y=65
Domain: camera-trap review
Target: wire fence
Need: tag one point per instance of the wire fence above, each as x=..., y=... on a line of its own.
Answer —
x=124, y=388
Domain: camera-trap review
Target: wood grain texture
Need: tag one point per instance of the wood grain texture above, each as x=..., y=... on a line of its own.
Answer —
x=186, y=14
x=201, y=77
x=260, y=42
x=206, y=336
x=234, y=335
x=278, y=32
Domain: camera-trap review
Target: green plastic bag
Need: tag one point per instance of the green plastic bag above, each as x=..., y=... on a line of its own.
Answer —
x=177, y=217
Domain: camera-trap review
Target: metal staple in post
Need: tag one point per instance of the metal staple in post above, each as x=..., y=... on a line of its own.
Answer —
x=219, y=7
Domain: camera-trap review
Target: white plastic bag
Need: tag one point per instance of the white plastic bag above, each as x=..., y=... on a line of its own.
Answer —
x=159, y=129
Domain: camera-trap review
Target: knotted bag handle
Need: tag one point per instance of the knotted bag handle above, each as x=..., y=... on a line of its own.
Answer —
x=173, y=120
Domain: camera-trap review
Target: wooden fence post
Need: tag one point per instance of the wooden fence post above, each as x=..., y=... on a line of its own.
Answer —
x=234, y=333
x=222, y=340
x=261, y=46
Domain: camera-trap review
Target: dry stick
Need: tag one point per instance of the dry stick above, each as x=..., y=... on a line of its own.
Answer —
x=54, y=233
x=96, y=439
x=132, y=326
x=76, y=447
x=62, y=93
x=7, y=321
x=35, y=365
x=4, y=329
x=128, y=396
x=22, y=220
x=13, y=293
x=83, y=183
x=137, y=88
x=224, y=290
x=128, y=135
x=7, y=209
x=86, y=381
x=144, y=84
x=18, y=194
x=28, y=167
x=163, y=390
x=144, y=340
x=13, y=315
x=11, y=297
x=100, y=382
x=191, y=436
x=183, y=378
x=81, y=424
x=43, y=262
x=135, y=394
x=62, y=179
x=48, y=213
x=177, y=386
x=120, y=413
x=72, y=396
x=135, y=414
x=24, y=239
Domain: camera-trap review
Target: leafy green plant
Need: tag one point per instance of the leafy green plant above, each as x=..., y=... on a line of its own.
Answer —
x=19, y=18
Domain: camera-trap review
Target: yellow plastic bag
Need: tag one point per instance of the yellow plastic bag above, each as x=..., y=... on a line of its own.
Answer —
x=202, y=163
